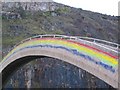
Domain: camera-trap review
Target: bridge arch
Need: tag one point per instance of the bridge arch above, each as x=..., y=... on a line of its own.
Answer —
x=93, y=60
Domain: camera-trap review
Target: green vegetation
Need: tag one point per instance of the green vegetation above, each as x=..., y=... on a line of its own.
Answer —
x=60, y=21
x=25, y=27
x=46, y=14
x=62, y=10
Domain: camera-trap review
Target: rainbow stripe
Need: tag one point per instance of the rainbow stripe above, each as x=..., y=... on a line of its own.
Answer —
x=102, y=56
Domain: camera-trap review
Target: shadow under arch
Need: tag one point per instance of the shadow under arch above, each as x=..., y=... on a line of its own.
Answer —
x=14, y=66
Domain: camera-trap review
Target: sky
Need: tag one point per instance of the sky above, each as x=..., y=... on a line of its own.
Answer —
x=109, y=7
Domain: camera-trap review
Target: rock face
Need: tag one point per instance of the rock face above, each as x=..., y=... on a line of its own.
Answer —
x=22, y=20
x=53, y=73
x=34, y=6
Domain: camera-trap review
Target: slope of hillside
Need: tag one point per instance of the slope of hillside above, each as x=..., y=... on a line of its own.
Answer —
x=23, y=20
x=21, y=23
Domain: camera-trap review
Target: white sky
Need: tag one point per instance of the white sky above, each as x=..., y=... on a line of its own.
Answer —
x=109, y=7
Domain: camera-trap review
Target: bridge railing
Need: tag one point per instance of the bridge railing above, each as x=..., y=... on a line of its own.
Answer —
x=104, y=42
x=101, y=44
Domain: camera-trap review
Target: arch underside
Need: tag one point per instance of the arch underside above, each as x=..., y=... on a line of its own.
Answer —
x=28, y=54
